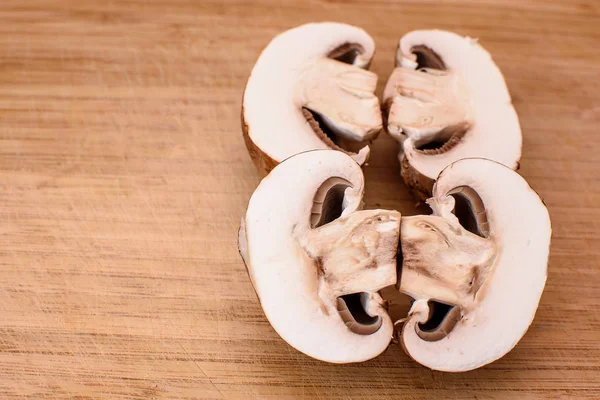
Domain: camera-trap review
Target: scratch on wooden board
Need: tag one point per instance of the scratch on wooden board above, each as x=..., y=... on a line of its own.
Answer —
x=201, y=370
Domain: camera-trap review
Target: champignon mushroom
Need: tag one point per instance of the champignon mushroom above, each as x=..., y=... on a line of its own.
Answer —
x=447, y=100
x=316, y=261
x=476, y=267
x=309, y=90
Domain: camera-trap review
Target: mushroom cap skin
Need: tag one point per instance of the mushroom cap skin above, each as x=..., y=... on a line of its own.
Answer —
x=447, y=89
x=291, y=261
x=299, y=73
x=517, y=222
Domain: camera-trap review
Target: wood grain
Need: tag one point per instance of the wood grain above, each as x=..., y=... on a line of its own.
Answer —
x=123, y=176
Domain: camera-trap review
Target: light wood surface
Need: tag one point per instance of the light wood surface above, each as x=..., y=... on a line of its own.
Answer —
x=123, y=176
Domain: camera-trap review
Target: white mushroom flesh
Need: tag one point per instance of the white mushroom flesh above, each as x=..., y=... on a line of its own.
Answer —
x=488, y=279
x=318, y=69
x=447, y=100
x=313, y=257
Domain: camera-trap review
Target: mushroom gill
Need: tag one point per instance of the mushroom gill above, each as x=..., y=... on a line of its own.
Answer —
x=346, y=53
x=427, y=58
x=352, y=310
x=441, y=321
x=328, y=203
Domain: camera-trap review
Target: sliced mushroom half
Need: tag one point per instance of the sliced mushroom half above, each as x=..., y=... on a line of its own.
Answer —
x=310, y=90
x=317, y=261
x=447, y=100
x=476, y=267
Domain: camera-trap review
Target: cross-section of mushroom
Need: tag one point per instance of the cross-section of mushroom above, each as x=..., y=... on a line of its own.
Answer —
x=447, y=100
x=310, y=90
x=476, y=267
x=317, y=261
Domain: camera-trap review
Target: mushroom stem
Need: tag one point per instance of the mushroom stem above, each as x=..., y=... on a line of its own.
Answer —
x=342, y=94
x=354, y=253
x=422, y=104
x=442, y=261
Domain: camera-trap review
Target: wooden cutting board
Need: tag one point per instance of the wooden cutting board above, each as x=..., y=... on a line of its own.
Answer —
x=123, y=176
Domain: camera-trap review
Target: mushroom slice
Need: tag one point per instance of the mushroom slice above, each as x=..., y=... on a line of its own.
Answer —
x=484, y=282
x=317, y=277
x=309, y=90
x=447, y=100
